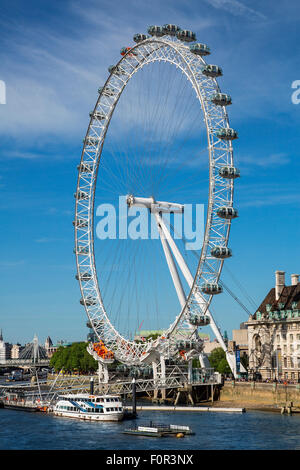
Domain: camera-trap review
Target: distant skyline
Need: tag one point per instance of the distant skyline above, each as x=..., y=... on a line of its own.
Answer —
x=54, y=57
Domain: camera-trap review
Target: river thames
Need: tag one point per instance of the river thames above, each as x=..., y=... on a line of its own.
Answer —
x=252, y=430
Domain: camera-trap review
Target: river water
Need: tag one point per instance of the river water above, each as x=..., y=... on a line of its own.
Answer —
x=221, y=431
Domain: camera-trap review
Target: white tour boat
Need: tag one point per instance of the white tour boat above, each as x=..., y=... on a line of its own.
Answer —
x=91, y=407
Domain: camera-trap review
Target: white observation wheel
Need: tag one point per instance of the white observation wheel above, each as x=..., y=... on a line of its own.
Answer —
x=167, y=44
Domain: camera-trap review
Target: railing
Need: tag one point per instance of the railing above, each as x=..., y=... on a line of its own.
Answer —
x=24, y=362
x=124, y=387
x=57, y=385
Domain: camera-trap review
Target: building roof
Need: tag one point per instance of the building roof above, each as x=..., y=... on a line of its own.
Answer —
x=288, y=300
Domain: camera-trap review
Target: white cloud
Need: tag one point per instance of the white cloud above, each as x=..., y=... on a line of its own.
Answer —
x=273, y=160
x=237, y=8
x=11, y=264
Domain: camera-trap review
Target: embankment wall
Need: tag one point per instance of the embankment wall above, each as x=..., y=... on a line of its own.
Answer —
x=260, y=394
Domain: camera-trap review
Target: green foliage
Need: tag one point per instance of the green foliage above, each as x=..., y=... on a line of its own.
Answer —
x=73, y=358
x=217, y=360
x=154, y=336
x=223, y=367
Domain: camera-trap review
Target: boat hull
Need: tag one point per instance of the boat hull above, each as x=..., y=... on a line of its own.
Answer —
x=21, y=408
x=89, y=417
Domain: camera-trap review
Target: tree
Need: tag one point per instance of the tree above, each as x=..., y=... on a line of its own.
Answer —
x=223, y=367
x=218, y=361
x=74, y=357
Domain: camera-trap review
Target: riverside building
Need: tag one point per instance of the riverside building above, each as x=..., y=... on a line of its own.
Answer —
x=274, y=332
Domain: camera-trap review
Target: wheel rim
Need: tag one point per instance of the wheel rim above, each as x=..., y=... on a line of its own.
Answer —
x=220, y=191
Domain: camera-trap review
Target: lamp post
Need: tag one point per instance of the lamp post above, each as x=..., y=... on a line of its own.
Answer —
x=92, y=386
x=133, y=397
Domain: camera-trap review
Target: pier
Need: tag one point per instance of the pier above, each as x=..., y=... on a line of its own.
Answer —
x=187, y=408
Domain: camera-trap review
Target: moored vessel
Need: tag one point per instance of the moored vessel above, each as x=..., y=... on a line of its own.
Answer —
x=90, y=407
x=18, y=401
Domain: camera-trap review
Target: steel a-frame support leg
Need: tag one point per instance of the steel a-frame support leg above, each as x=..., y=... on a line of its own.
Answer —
x=166, y=236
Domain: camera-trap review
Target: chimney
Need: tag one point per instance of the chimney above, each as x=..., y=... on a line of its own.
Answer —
x=280, y=283
x=294, y=279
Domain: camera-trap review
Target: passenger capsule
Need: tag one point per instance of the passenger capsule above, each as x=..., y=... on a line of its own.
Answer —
x=108, y=91
x=83, y=277
x=81, y=250
x=227, y=212
x=124, y=50
x=227, y=133
x=88, y=301
x=97, y=115
x=200, y=49
x=80, y=223
x=91, y=140
x=229, y=172
x=116, y=70
x=156, y=31
x=221, y=252
x=186, y=345
x=129, y=51
x=199, y=320
x=221, y=99
x=170, y=29
x=147, y=371
x=85, y=168
x=212, y=71
x=81, y=195
x=211, y=288
x=140, y=37
x=186, y=35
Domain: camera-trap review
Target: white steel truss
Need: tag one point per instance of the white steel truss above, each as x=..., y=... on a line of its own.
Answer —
x=220, y=153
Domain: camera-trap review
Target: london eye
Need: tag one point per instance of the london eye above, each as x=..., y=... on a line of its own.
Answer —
x=158, y=139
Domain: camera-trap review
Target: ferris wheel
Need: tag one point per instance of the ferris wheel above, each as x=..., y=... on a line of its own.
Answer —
x=156, y=58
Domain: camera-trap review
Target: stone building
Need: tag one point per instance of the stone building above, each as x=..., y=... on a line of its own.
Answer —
x=49, y=347
x=15, y=351
x=274, y=332
x=5, y=349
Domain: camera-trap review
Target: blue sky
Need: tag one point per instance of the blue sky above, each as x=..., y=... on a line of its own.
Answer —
x=54, y=56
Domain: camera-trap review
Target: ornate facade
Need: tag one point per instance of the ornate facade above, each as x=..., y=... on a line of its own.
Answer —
x=274, y=332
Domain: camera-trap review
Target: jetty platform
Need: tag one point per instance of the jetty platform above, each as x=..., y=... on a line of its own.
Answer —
x=186, y=408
